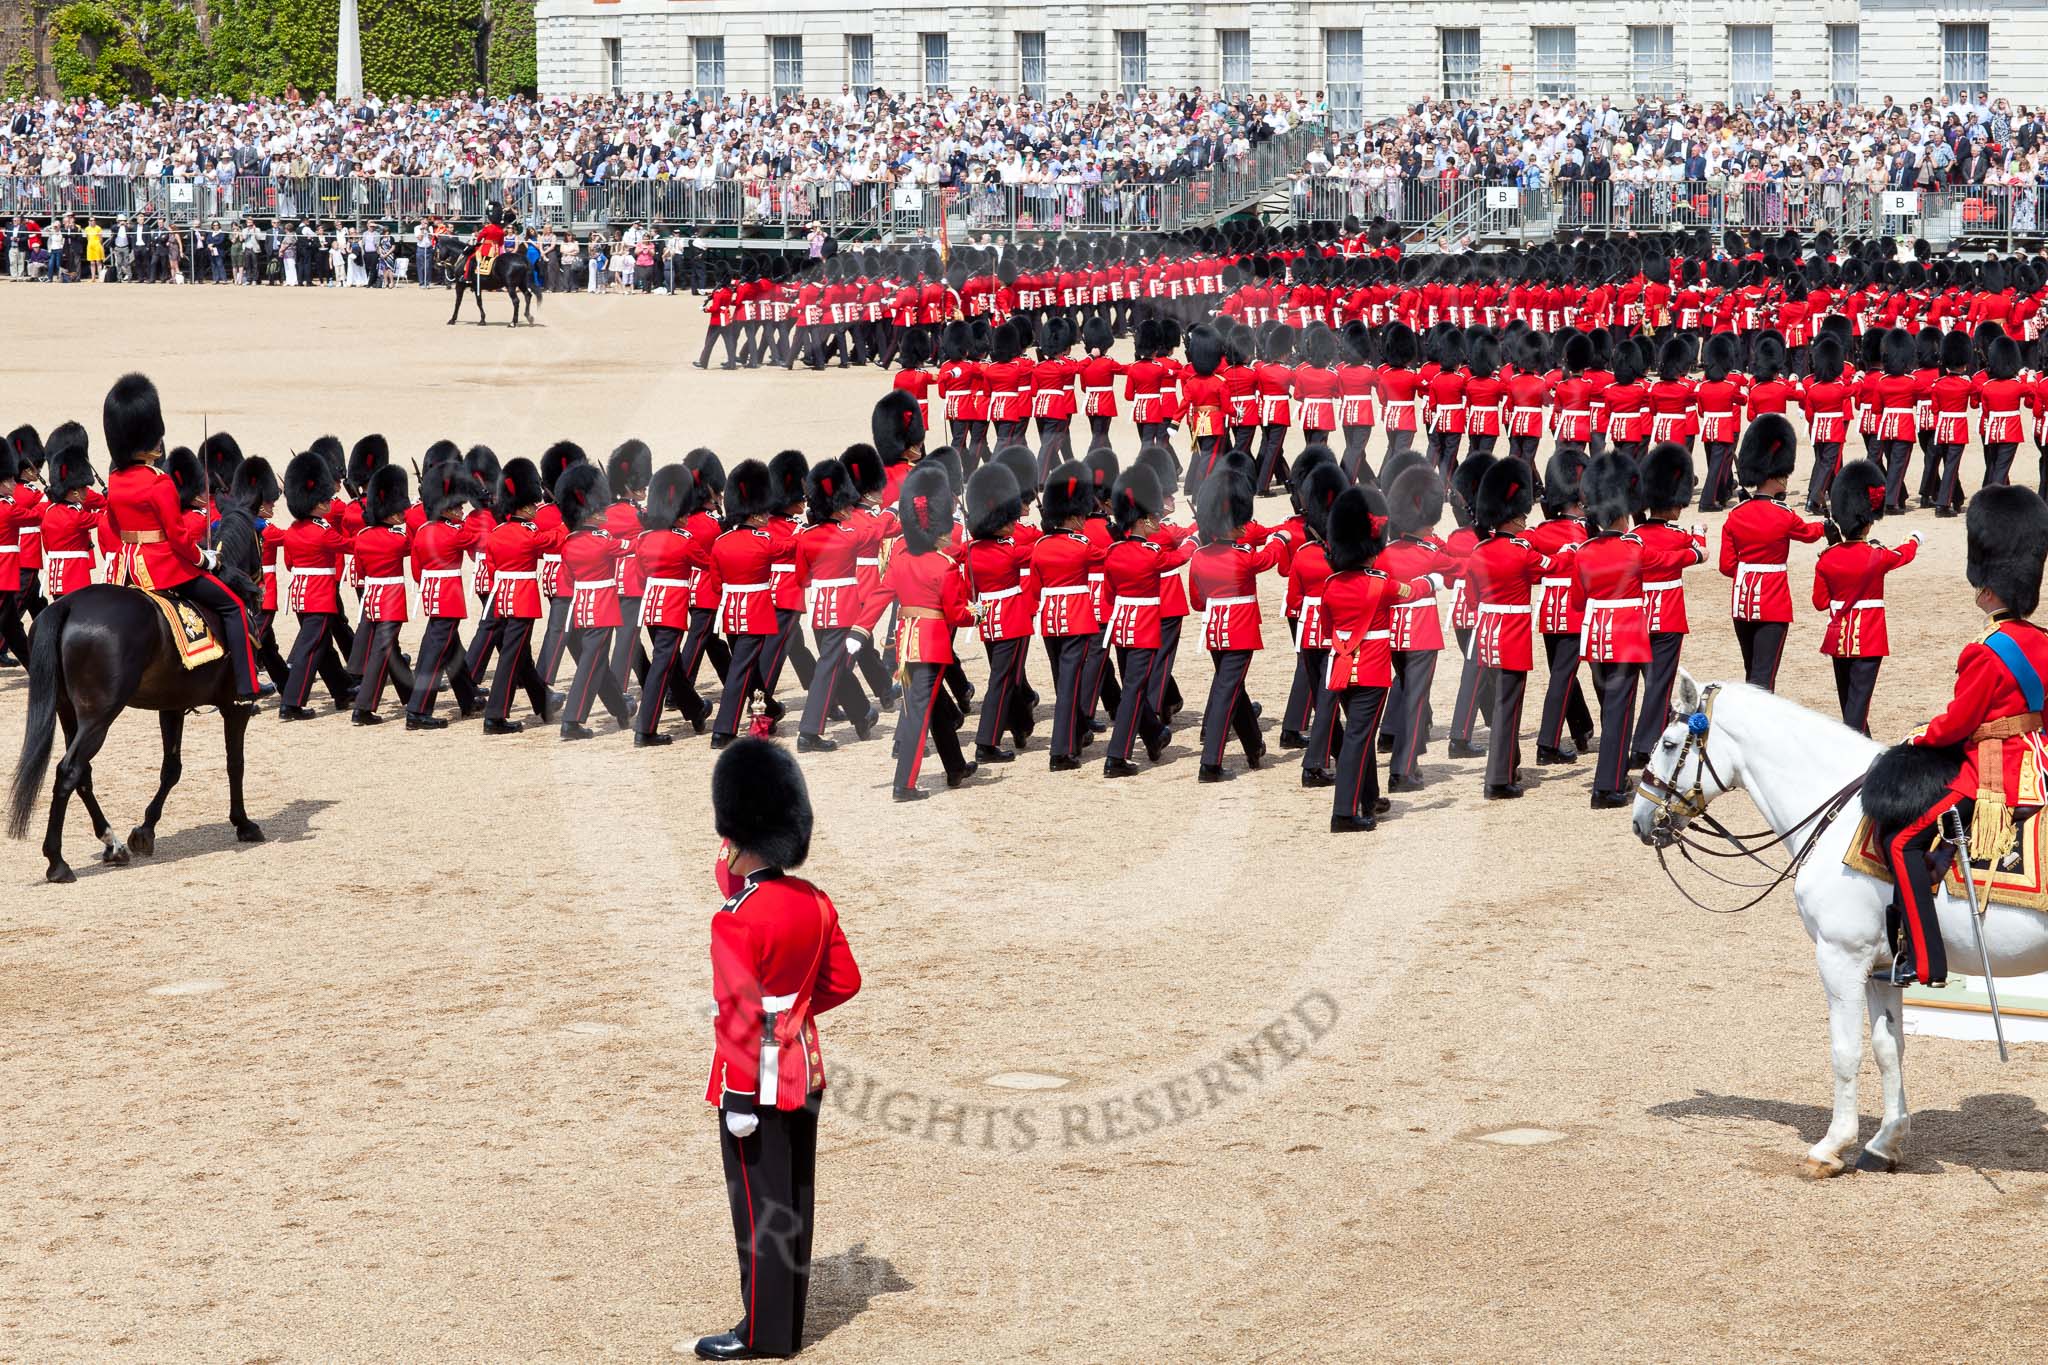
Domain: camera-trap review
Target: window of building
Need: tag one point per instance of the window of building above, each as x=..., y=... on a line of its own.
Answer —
x=1235, y=45
x=710, y=58
x=1461, y=62
x=1130, y=61
x=1031, y=65
x=933, y=46
x=1845, y=63
x=614, y=65
x=1749, y=63
x=860, y=62
x=786, y=65
x=1557, y=62
x=1965, y=62
x=1344, y=76
x=1651, y=66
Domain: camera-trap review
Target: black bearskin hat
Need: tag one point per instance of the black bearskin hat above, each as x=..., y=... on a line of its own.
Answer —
x=188, y=476
x=865, y=468
x=439, y=452
x=925, y=507
x=708, y=472
x=1465, y=480
x=1897, y=352
x=1318, y=487
x=1612, y=489
x=390, y=493
x=948, y=459
x=1223, y=506
x=1005, y=345
x=749, y=492
x=671, y=496
x=1205, y=350
x=581, y=493
x=1927, y=349
x=69, y=455
x=131, y=420
x=1824, y=359
x=255, y=486
x=1415, y=501
x=1102, y=471
x=1667, y=477
x=1310, y=457
x=994, y=501
x=759, y=804
x=1356, y=530
x=897, y=426
x=220, y=454
x=914, y=351
x=1561, y=481
x=1069, y=492
x=1955, y=351
x=369, y=455
x=1482, y=355
x=1674, y=358
x=329, y=449
x=446, y=484
x=558, y=458
x=2002, y=358
x=485, y=471
x=519, y=487
x=1400, y=349
x=1857, y=499
x=1023, y=467
x=1165, y=468
x=1507, y=491
x=630, y=468
x=1135, y=498
x=1718, y=357
x=1769, y=450
x=27, y=447
x=308, y=482
x=788, y=475
x=1577, y=355
x=1096, y=335
x=2008, y=538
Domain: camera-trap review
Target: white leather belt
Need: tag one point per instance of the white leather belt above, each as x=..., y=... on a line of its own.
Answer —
x=782, y=568
x=872, y=561
x=1000, y=594
x=1557, y=582
x=1377, y=635
x=1137, y=602
x=816, y=582
x=2013, y=413
x=383, y=582
x=1741, y=569
x=1067, y=591
x=525, y=576
x=674, y=583
x=1216, y=602
x=67, y=554
x=1666, y=585
x=728, y=589
x=1612, y=603
x=1864, y=605
x=1504, y=609
x=600, y=583
x=320, y=573
x=425, y=574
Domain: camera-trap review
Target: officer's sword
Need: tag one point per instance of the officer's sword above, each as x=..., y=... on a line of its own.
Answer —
x=1959, y=837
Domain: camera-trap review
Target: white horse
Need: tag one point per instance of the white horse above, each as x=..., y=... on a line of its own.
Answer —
x=1792, y=762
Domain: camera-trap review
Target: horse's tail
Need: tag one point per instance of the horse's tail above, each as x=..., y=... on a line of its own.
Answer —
x=44, y=660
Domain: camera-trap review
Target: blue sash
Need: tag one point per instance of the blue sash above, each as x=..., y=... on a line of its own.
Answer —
x=2024, y=675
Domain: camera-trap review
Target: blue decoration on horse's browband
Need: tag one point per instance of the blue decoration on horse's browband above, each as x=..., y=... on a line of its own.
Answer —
x=1698, y=722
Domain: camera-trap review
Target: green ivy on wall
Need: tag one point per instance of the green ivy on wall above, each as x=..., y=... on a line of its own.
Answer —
x=132, y=49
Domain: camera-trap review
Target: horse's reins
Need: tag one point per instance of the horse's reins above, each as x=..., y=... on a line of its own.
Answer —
x=1676, y=808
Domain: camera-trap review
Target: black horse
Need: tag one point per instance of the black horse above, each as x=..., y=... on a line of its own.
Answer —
x=509, y=272
x=92, y=654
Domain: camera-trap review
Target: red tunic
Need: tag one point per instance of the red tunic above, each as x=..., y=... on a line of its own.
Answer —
x=512, y=554
x=622, y=519
x=1608, y=576
x=312, y=552
x=1559, y=538
x=1664, y=594
x=1399, y=392
x=590, y=562
x=380, y=553
x=1223, y=586
x=1415, y=623
x=1306, y=571
x=669, y=562
x=68, y=554
x=931, y=601
x=1755, y=543
x=437, y=551
x=1132, y=576
x=1503, y=569
x=1062, y=563
x=157, y=547
x=1985, y=691
x=775, y=945
x=742, y=572
x=1848, y=584
x=994, y=573
x=1359, y=602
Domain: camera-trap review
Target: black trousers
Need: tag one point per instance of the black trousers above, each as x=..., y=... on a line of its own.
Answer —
x=664, y=685
x=591, y=647
x=1166, y=697
x=1398, y=440
x=1012, y=433
x=1098, y=431
x=628, y=657
x=729, y=334
x=312, y=653
x=1909, y=853
x=549, y=660
x=1228, y=707
x=1272, y=454
x=482, y=646
x=1564, y=701
x=1616, y=684
x=1895, y=457
x=1322, y=737
x=1998, y=462
x=512, y=638
x=1354, y=460
x=1719, y=485
x=1055, y=443
x=1099, y=681
x=1240, y=438
x=210, y=594
x=789, y=649
x=1855, y=685
x=1523, y=448
x=1480, y=443
x=441, y=655
x=1008, y=703
x=1504, y=740
x=358, y=646
x=928, y=712
x=1763, y=645
x=1827, y=460
x=1357, y=790
x=1658, y=682
x=268, y=655
x=1946, y=472
x=1929, y=474
x=1414, y=672
x=702, y=643
x=770, y=1185
x=1442, y=452
x=742, y=676
x=832, y=679
x=12, y=637
x=1135, y=717
x=1474, y=695
x=1300, y=710
x=1068, y=655
x=381, y=662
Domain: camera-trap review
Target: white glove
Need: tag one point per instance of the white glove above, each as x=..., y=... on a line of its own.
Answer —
x=742, y=1125
x=853, y=644
x=209, y=560
x=1915, y=538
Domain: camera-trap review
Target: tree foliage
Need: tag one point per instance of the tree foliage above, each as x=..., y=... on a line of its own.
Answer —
x=133, y=49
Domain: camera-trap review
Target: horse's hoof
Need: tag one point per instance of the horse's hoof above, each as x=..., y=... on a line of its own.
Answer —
x=114, y=855
x=141, y=840
x=249, y=834
x=60, y=874
x=1820, y=1170
x=1867, y=1160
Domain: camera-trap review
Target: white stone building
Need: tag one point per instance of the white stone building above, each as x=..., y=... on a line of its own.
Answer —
x=1369, y=57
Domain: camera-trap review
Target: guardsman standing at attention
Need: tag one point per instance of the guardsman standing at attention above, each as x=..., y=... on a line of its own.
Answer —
x=1755, y=542
x=1993, y=720
x=778, y=960
x=1848, y=584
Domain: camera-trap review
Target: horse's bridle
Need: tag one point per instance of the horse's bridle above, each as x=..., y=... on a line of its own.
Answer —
x=1674, y=807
